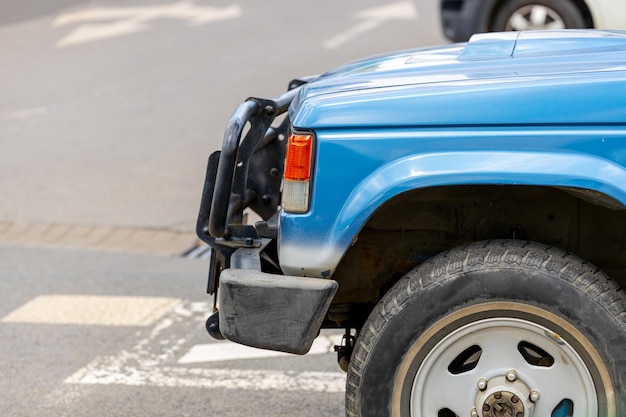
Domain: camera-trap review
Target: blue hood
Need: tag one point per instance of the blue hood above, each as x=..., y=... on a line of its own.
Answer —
x=496, y=78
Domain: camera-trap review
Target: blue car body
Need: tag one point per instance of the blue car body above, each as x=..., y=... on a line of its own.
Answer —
x=515, y=112
x=498, y=110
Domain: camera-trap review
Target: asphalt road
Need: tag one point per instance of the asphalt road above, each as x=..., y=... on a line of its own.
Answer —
x=92, y=334
x=108, y=111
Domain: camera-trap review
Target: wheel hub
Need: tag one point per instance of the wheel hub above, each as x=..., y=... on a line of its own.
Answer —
x=503, y=404
x=504, y=396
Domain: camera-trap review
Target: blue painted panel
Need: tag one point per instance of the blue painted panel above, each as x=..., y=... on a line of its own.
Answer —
x=357, y=171
x=544, y=77
x=529, y=108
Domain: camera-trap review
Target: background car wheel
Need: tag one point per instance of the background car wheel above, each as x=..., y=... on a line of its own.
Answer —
x=494, y=328
x=536, y=15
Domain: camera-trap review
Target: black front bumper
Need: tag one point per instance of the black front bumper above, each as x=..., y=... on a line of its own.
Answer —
x=270, y=311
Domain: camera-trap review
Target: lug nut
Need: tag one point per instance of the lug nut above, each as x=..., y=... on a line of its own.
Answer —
x=514, y=399
x=482, y=384
x=534, y=396
x=497, y=395
x=511, y=375
x=474, y=413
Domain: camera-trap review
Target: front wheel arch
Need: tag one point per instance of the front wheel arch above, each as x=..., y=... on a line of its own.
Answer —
x=489, y=274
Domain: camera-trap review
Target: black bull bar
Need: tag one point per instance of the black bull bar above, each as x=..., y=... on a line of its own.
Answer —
x=245, y=173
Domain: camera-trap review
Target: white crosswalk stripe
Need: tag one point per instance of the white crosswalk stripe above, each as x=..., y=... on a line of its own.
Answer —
x=92, y=310
x=226, y=351
x=163, y=356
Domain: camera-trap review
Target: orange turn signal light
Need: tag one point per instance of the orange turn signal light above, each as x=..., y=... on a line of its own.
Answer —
x=298, y=161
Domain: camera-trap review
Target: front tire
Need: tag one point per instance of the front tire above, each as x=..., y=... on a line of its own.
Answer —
x=494, y=328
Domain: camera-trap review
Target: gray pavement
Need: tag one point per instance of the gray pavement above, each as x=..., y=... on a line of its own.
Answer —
x=86, y=333
x=157, y=241
x=37, y=355
x=108, y=112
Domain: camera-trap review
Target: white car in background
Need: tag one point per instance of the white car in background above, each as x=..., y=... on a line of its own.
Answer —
x=462, y=18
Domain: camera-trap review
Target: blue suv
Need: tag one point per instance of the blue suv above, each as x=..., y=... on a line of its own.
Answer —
x=459, y=212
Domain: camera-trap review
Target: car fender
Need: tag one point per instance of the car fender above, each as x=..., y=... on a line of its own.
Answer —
x=305, y=251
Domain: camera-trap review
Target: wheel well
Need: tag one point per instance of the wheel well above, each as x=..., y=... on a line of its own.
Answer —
x=419, y=224
x=581, y=5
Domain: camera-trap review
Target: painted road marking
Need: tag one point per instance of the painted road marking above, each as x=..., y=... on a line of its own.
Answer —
x=372, y=18
x=258, y=380
x=153, y=361
x=129, y=20
x=92, y=310
x=21, y=112
x=227, y=351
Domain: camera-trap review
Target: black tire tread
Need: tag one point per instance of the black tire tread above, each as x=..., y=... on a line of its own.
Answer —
x=489, y=254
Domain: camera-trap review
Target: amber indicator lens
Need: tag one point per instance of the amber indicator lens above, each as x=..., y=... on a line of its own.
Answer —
x=298, y=163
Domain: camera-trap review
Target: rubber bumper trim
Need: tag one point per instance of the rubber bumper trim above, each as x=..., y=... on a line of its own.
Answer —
x=276, y=312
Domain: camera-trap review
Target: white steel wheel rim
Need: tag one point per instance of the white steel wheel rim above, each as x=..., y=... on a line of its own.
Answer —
x=435, y=388
x=534, y=17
